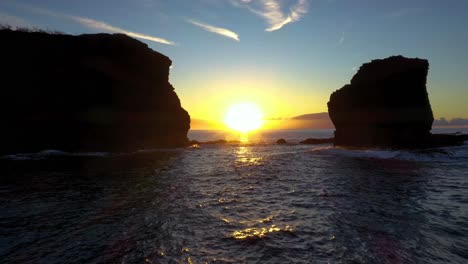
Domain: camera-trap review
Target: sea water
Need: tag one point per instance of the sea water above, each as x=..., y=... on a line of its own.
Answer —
x=250, y=202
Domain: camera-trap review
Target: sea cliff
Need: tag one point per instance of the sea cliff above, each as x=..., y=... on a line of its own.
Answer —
x=386, y=104
x=95, y=92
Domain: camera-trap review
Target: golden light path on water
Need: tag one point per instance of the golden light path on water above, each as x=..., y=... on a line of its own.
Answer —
x=245, y=157
x=240, y=203
x=254, y=233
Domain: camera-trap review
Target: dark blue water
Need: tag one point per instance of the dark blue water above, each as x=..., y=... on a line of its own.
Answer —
x=244, y=203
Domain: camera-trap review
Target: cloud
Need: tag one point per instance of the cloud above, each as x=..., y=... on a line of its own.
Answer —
x=405, y=12
x=95, y=24
x=13, y=21
x=454, y=122
x=342, y=38
x=99, y=25
x=217, y=30
x=344, y=32
x=272, y=12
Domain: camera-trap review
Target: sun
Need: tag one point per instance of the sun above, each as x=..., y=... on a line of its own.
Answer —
x=244, y=117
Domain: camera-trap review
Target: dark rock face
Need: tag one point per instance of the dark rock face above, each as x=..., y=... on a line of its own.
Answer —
x=95, y=92
x=386, y=104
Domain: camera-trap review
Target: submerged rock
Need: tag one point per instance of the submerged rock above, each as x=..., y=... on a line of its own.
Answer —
x=386, y=104
x=97, y=92
x=281, y=141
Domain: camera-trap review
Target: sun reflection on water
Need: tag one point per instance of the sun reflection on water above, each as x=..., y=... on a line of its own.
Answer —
x=244, y=137
x=255, y=233
x=245, y=157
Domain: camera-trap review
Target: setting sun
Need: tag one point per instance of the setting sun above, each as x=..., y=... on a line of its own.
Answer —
x=244, y=117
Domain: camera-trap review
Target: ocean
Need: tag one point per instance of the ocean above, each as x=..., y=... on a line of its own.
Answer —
x=250, y=202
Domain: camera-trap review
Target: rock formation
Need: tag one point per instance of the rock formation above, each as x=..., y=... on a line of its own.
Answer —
x=386, y=104
x=96, y=92
x=281, y=141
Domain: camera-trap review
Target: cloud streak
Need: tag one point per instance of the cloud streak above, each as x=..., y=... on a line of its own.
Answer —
x=217, y=30
x=405, y=12
x=454, y=122
x=99, y=25
x=272, y=11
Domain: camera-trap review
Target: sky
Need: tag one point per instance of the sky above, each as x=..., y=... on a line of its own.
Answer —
x=286, y=56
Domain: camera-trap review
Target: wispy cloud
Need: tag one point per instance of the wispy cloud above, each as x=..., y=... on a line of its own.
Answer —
x=344, y=33
x=97, y=25
x=272, y=11
x=404, y=12
x=342, y=38
x=217, y=30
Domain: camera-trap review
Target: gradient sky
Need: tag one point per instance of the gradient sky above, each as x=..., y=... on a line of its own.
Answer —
x=287, y=56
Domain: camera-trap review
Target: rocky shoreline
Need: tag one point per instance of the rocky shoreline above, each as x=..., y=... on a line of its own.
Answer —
x=439, y=140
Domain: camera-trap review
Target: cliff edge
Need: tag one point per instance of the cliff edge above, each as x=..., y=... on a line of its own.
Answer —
x=96, y=92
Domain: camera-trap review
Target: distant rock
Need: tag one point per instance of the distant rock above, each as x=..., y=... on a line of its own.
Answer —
x=219, y=141
x=315, y=141
x=386, y=104
x=194, y=142
x=281, y=141
x=315, y=116
x=97, y=92
x=307, y=121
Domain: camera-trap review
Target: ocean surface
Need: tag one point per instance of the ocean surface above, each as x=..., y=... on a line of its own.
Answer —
x=254, y=202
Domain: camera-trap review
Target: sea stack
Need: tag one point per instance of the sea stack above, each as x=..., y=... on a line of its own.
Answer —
x=386, y=104
x=95, y=92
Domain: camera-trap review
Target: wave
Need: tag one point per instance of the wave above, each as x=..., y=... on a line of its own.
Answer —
x=434, y=154
x=53, y=153
x=443, y=153
x=50, y=153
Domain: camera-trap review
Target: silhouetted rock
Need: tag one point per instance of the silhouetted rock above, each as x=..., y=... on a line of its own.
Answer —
x=386, y=104
x=315, y=141
x=219, y=141
x=281, y=141
x=447, y=139
x=96, y=92
x=194, y=142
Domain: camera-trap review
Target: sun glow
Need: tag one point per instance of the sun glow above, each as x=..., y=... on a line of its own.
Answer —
x=244, y=117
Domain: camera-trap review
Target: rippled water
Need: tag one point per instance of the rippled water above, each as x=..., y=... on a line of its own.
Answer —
x=261, y=203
